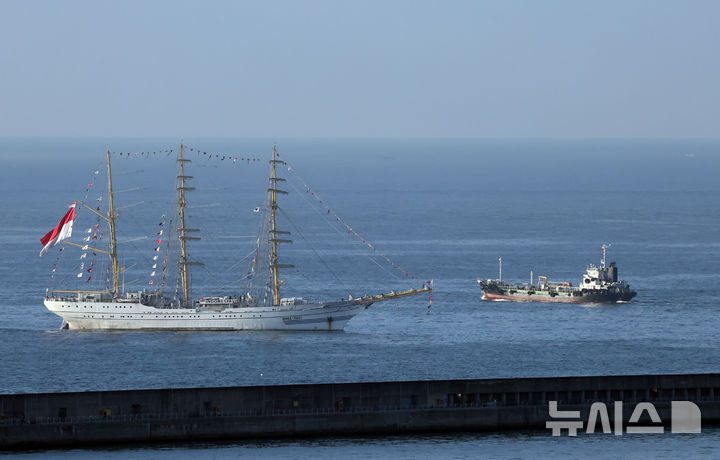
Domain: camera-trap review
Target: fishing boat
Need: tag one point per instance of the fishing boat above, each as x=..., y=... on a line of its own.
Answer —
x=153, y=309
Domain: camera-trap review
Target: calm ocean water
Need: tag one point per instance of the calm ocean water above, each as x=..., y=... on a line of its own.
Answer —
x=441, y=209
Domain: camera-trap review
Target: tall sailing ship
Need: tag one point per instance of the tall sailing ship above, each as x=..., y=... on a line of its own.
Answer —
x=113, y=308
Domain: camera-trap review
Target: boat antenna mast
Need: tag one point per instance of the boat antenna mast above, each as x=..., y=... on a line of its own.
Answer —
x=604, y=254
x=113, y=241
x=183, y=231
x=274, y=232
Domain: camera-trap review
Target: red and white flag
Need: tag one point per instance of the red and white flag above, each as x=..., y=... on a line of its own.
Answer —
x=62, y=231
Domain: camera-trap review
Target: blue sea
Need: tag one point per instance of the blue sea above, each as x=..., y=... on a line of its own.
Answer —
x=444, y=210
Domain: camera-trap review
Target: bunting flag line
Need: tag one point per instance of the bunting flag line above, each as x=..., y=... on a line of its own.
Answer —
x=349, y=229
x=95, y=237
x=57, y=261
x=165, y=259
x=89, y=230
x=157, y=249
x=222, y=157
x=148, y=154
x=235, y=158
x=94, y=234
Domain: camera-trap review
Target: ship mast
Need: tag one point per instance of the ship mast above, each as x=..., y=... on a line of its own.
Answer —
x=604, y=253
x=113, y=241
x=182, y=231
x=274, y=232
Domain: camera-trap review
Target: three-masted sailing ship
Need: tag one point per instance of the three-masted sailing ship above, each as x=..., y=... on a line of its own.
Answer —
x=152, y=309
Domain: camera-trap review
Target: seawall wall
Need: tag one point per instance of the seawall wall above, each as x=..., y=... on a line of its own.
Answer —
x=56, y=419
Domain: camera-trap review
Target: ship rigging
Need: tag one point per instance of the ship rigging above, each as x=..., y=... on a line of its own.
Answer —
x=153, y=309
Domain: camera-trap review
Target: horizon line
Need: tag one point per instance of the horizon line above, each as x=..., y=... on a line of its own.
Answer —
x=384, y=138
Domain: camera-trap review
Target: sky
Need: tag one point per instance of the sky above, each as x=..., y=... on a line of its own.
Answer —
x=376, y=69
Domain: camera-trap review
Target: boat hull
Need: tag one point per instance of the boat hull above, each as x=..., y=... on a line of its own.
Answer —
x=113, y=315
x=545, y=298
x=493, y=291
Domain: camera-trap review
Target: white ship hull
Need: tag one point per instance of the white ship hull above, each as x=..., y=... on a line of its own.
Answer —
x=134, y=315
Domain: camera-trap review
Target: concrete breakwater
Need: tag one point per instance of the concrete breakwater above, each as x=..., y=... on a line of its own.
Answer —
x=57, y=419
